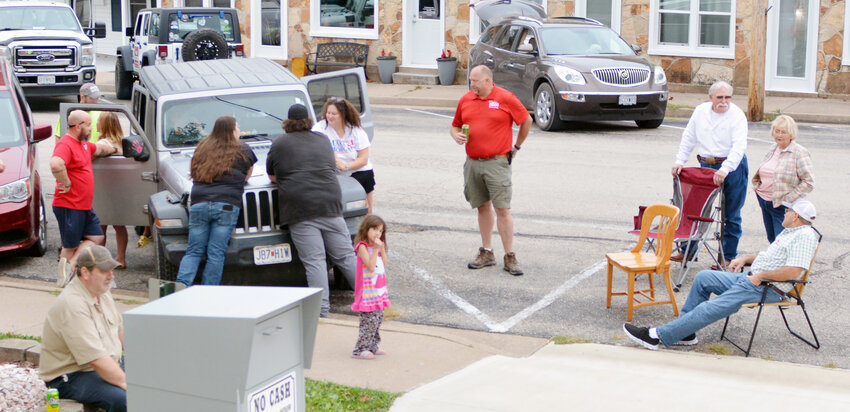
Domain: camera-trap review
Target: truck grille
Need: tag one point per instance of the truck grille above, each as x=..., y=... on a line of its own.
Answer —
x=621, y=76
x=260, y=212
x=45, y=58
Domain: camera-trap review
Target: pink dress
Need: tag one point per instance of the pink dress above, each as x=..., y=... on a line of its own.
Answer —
x=370, y=292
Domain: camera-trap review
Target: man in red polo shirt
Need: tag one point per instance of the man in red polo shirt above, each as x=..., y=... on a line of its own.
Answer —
x=79, y=227
x=490, y=112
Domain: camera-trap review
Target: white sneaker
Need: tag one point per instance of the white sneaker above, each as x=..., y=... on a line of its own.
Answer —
x=64, y=274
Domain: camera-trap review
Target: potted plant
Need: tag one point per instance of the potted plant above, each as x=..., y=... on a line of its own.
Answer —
x=446, y=66
x=386, y=66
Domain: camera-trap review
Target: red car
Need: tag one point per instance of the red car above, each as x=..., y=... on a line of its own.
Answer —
x=23, y=214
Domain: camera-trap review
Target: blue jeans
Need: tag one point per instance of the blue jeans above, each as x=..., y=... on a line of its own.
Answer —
x=773, y=217
x=210, y=227
x=732, y=290
x=90, y=388
x=734, y=194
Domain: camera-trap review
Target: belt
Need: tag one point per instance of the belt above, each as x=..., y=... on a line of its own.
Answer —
x=498, y=156
x=710, y=160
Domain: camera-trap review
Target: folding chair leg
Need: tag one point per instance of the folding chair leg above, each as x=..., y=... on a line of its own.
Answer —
x=815, y=345
x=755, y=326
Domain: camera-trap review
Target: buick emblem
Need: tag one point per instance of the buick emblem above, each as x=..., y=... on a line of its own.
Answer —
x=624, y=74
x=46, y=58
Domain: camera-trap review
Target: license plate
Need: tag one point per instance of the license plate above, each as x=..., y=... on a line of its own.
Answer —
x=269, y=255
x=278, y=396
x=46, y=79
x=628, y=100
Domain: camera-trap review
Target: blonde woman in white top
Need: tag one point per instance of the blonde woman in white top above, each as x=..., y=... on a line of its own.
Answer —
x=341, y=123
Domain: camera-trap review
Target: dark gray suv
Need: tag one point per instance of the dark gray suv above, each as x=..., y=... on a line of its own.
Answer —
x=569, y=68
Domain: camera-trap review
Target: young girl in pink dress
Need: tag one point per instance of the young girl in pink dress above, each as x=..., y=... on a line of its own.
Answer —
x=370, y=290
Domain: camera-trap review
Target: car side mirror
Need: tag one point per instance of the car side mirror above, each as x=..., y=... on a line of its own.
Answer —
x=96, y=32
x=637, y=48
x=526, y=49
x=134, y=146
x=41, y=131
x=128, y=32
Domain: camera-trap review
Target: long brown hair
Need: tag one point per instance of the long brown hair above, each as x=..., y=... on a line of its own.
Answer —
x=217, y=152
x=110, y=128
x=369, y=222
x=347, y=110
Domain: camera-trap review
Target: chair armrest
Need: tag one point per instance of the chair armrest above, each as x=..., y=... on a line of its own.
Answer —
x=700, y=218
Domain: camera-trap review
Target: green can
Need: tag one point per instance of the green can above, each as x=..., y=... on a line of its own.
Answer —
x=465, y=130
x=52, y=400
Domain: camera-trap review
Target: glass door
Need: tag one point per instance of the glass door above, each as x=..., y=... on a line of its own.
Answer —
x=791, y=54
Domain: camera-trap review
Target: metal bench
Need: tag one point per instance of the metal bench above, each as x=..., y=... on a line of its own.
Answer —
x=338, y=54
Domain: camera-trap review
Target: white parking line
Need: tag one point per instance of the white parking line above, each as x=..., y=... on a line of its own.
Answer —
x=437, y=285
x=432, y=114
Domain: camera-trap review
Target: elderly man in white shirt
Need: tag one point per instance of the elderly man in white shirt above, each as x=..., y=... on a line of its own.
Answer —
x=718, y=129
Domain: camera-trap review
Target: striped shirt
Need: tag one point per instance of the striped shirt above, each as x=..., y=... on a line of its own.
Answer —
x=793, y=177
x=793, y=247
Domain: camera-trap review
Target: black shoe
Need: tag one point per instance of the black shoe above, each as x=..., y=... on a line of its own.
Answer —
x=689, y=340
x=641, y=336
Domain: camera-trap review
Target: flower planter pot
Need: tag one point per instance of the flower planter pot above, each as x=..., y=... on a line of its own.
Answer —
x=446, y=68
x=386, y=68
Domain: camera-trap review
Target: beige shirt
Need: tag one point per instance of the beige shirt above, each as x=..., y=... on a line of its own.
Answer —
x=77, y=331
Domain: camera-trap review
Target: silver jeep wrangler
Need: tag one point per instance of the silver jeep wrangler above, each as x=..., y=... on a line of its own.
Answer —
x=176, y=105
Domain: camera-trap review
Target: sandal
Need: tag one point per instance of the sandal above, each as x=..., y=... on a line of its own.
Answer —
x=363, y=355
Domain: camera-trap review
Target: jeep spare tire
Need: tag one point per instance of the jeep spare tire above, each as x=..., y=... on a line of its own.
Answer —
x=204, y=44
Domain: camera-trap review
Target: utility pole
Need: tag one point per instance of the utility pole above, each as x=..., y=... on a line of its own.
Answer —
x=757, y=45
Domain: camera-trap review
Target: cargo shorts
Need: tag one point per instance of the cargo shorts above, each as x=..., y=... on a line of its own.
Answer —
x=485, y=180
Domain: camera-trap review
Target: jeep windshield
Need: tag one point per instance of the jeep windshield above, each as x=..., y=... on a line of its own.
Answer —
x=583, y=41
x=181, y=24
x=38, y=18
x=186, y=122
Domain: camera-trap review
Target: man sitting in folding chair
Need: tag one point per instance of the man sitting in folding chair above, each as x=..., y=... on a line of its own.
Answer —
x=786, y=258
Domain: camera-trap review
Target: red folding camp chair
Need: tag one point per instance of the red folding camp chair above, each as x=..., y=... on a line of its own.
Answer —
x=700, y=201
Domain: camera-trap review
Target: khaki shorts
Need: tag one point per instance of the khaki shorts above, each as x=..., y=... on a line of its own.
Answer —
x=487, y=180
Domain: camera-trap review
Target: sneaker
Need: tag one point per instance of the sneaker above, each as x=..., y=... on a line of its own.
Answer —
x=511, y=265
x=485, y=258
x=363, y=355
x=143, y=241
x=689, y=340
x=379, y=352
x=64, y=274
x=641, y=336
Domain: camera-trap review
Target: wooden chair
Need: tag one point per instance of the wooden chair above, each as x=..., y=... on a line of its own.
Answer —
x=636, y=263
x=791, y=299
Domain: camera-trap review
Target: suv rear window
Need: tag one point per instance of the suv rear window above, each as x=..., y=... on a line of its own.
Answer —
x=583, y=41
x=10, y=133
x=180, y=26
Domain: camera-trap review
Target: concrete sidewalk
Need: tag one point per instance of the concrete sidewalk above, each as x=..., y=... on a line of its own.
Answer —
x=459, y=370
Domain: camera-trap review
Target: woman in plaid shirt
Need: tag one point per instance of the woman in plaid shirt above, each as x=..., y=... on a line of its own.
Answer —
x=784, y=176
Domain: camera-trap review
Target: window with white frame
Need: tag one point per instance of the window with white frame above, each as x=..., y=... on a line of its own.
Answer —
x=845, y=56
x=693, y=28
x=204, y=3
x=351, y=19
x=269, y=30
x=607, y=12
x=476, y=26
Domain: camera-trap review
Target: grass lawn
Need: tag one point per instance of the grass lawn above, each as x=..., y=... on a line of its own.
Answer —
x=326, y=396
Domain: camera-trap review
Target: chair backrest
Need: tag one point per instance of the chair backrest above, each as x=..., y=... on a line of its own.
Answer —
x=694, y=192
x=668, y=220
x=805, y=276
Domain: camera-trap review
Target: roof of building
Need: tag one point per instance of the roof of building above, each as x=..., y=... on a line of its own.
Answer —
x=176, y=78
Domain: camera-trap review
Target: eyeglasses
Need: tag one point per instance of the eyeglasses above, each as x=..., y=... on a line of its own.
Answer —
x=723, y=97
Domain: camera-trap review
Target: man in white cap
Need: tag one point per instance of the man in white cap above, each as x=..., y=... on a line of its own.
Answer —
x=83, y=337
x=89, y=94
x=786, y=258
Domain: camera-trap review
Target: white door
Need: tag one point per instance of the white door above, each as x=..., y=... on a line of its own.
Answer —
x=791, y=54
x=423, y=33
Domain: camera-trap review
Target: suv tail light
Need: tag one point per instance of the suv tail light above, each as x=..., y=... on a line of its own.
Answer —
x=162, y=51
x=240, y=51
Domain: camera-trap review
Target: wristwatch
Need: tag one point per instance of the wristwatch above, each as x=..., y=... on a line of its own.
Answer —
x=517, y=147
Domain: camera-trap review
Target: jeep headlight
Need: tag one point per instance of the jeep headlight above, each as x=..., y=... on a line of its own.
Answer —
x=17, y=191
x=355, y=205
x=571, y=76
x=660, y=77
x=6, y=53
x=87, y=58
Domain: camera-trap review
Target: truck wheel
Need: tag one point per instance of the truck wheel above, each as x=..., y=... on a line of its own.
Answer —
x=165, y=270
x=123, y=81
x=40, y=246
x=204, y=44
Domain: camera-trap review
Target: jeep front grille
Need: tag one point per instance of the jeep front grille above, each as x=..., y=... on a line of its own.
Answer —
x=621, y=76
x=260, y=212
x=37, y=59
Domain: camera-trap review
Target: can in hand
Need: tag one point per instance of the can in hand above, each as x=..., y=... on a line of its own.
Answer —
x=52, y=400
x=465, y=130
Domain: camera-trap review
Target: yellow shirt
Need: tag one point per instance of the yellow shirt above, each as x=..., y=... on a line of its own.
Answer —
x=95, y=134
x=77, y=331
